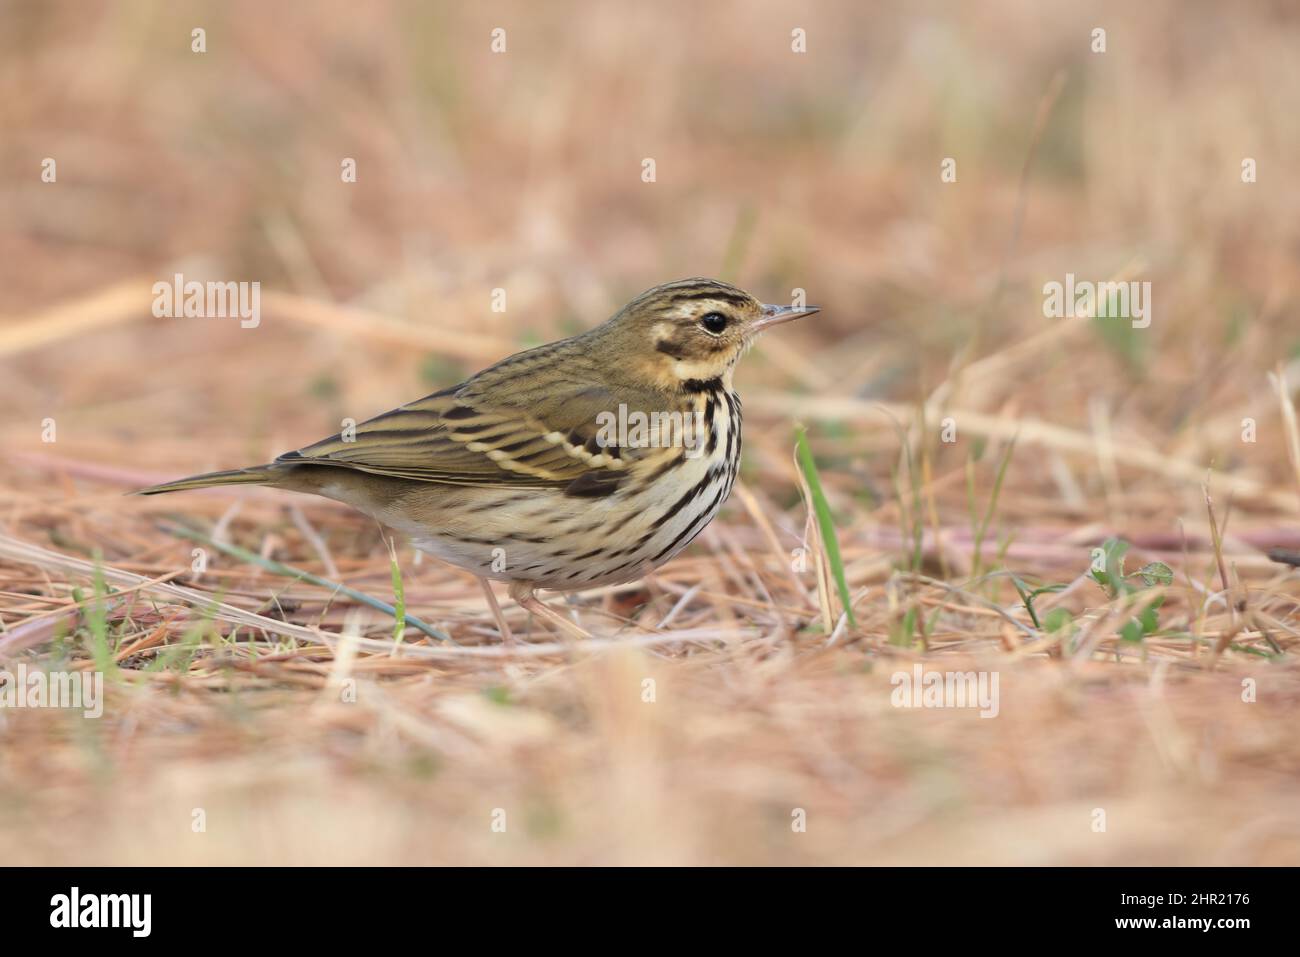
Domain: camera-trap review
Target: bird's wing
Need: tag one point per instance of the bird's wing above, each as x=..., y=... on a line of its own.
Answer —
x=558, y=437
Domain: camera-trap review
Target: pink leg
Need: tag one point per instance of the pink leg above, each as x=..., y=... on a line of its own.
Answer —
x=523, y=594
x=502, y=626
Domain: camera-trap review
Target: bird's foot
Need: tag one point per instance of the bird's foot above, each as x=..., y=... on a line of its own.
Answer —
x=523, y=594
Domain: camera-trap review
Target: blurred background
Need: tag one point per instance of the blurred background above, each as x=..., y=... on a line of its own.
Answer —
x=522, y=170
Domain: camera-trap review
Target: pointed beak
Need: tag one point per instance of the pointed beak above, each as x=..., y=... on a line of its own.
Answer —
x=775, y=315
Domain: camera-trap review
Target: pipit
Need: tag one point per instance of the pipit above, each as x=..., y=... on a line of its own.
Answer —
x=588, y=461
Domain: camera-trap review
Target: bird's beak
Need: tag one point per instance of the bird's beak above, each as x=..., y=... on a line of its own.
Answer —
x=775, y=315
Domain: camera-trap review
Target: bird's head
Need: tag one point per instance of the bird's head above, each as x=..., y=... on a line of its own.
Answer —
x=693, y=330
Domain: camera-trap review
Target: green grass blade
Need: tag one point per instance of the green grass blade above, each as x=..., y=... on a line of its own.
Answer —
x=97, y=624
x=399, y=596
x=825, y=521
x=982, y=528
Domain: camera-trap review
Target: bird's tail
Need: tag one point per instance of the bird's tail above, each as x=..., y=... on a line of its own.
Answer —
x=260, y=475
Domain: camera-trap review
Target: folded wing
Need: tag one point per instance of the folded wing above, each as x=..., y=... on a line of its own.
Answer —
x=556, y=437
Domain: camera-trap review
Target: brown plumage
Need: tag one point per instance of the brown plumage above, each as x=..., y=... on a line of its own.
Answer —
x=587, y=461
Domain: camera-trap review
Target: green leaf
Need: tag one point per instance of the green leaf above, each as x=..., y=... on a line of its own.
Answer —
x=825, y=521
x=1108, y=565
x=1156, y=573
x=1150, y=617
x=1057, y=619
x=1146, y=623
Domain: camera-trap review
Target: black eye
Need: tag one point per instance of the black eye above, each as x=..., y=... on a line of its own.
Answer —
x=713, y=322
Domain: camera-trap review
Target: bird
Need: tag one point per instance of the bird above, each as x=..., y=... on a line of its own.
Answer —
x=585, y=462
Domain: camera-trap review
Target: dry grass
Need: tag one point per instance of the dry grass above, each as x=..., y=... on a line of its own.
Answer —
x=775, y=170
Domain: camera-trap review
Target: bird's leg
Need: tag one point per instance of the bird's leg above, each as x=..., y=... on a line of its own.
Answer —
x=522, y=592
x=495, y=606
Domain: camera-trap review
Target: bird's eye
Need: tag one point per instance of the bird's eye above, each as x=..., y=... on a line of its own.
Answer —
x=713, y=323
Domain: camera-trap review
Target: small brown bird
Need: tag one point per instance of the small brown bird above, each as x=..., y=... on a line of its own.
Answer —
x=588, y=461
